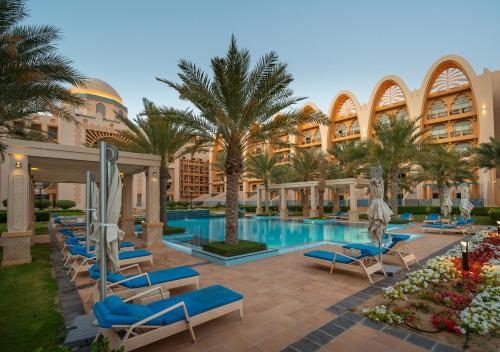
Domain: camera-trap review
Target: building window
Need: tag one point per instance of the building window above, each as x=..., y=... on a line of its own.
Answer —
x=36, y=127
x=52, y=132
x=402, y=114
x=463, y=147
x=437, y=109
x=439, y=131
x=435, y=195
x=19, y=127
x=100, y=109
x=461, y=104
x=341, y=130
x=384, y=119
x=317, y=136
x=254, y=187
x=307, y=137
x=139, y=200
x=462, y=126
x=355, y=127
x=241, y=188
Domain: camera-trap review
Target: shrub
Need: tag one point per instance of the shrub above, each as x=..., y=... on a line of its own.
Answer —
x=42, y=203
x=395, y=220
x=42, y=215
x=3, y=217
x=494, y=214
x=229, y=250
x=171, y=230
x=65, y=204
x=170, y=204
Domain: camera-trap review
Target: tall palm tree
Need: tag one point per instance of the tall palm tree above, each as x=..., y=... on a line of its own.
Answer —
x=488, y=154
x=238, y=108
x=322, y=173
x=34, y=78
x=349, y=159
x=154, y=132
x=444, y=166
x=304, y=165
x=395, y=148
x=263, y=166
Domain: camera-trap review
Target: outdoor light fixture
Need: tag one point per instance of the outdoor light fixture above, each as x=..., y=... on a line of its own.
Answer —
x=498, y=226
x=155, y=173
x=464, y=246
x=18, y=164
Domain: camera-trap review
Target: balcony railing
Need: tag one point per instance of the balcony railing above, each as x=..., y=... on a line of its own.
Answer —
x=310, y=140
x=437, y=115
x=462, y=133
x=345, y=134
x=461, y=110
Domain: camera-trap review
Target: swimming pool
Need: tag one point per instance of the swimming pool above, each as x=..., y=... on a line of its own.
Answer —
x=274, y=233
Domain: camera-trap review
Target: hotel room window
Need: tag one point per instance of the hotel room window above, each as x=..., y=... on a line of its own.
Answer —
x=52, y=132
x=341, y=130
x=100, y=109
x=19, y=127
x=355, y=127
x=384, y=119
x=36, y=127
x=437, y=109
x=461, y=104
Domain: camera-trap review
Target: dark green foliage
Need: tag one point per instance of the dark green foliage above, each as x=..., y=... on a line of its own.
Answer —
x=494, y=214
x=42, y=203
x=230, y=250
x=171, y=230
x=65, y=204
x=395, y=220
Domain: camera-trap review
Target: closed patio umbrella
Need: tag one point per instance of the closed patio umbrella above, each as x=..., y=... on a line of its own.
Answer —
x=465, y=205
x=93, y=208
x=447, y=204
x=379, y=213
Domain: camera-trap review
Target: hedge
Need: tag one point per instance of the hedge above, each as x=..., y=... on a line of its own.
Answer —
x=423, y=210
x=229, y=250
x=42, y=203
x=172, y=230
x=65, y=204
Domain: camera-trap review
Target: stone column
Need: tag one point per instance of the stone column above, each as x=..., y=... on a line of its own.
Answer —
x=353, y=203
x=152, y=229
x=31, y=206
x=17, y=239
x=259, y=202
x=127, y=219
x=283, y=204
x=314, y=202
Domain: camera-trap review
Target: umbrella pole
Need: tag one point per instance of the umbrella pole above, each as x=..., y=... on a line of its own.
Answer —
x=88, y=211
x=103, y=195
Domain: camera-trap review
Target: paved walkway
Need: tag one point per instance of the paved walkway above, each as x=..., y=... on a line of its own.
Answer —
x=286, y=299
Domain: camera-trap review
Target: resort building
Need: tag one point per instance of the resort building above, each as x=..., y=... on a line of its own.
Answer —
x=459, y=107
x=96, y=120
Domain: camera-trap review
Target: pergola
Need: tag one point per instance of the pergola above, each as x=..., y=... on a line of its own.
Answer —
x=345, y=183
x=28, y=162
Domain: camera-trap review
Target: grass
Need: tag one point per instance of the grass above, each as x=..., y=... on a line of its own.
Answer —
x=41, y=227
x=29, y=315
x=229, y=250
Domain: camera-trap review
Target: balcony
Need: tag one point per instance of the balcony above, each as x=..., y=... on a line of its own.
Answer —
x=455, y=135
x=310, y=141
x=346, y=135
x=437, y=115
x=455, y=114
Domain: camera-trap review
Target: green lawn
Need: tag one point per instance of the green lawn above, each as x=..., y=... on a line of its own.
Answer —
x=41, y=227
x=29, y=315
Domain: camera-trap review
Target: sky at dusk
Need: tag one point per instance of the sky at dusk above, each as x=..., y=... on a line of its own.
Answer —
x=329, y=45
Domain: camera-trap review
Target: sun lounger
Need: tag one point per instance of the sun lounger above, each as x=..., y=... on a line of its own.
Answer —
x=144, y=324
x=432, y=218
x=406, y=216
x=72, y=241
x=129, y=285
x=459, y=227
x=84, y=260
x=394, y=248
x=340, y=215
x=364, y=262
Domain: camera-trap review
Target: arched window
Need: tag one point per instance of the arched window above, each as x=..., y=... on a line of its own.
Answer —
x=402, y=114
x=439, y=131
x=355, y=127
x=100, y=109
x=341, y=130
x=384, y=119
x=317, y=136
x=437, y=109
x=462, y=128
x=307, y=137
x=463, y=147
x=461, y=104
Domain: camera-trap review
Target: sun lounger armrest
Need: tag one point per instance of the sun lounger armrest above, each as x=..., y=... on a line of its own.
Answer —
x=146, y=292
x=403, y=250
x=347, y=256
x=156, y=315
x=132, y=266
x=131, y=278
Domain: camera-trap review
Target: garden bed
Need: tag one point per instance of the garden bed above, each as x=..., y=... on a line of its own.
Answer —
x=446, y=303
x=229, y=250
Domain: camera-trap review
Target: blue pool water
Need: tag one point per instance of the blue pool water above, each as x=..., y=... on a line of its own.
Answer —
x=275, y=233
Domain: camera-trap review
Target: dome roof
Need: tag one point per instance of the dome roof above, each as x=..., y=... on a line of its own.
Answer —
x=95, y=86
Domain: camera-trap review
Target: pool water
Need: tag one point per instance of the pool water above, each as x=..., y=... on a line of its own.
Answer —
x=274, y=233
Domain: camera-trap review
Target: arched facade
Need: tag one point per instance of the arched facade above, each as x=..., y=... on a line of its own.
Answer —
x=344, y=121
x=309, y=135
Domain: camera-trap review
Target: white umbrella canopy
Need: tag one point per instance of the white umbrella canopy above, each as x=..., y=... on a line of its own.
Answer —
x=447, y=204
x=113, y=233
x=379, y=213
x=465, y=205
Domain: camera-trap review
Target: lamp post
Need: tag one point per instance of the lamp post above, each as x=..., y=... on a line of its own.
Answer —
x=498, y=226
x=464, y=246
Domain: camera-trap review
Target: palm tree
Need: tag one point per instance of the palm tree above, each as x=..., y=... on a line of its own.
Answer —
x=488, y=154
x=304, y=165
x=33, y=77
x=154, y=132
x=322, y=173
x=349, y=159
x=395, y=148
x=444, y=166
x=237, y=108
x=263, y=166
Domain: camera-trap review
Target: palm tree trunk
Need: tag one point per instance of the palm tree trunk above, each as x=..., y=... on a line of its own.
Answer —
x=321, y=187
x=266, y=196
x=305, y=203
x=441, y=195
x=393, y=180
x=234, y=166
x=164, y=177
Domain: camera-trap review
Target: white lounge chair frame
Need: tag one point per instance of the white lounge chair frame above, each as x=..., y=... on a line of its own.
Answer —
x=138, y=335
x=458, y=230
x=126, y=292
x=366, y=265
x=399, y=250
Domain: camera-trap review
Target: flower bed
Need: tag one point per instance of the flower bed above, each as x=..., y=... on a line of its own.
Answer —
x=443, y=299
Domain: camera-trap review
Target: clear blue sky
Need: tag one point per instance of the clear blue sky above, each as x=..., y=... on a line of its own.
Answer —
x=329, y=45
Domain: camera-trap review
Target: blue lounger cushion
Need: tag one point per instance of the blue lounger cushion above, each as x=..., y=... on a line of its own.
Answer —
x=156, y=277
x=326, y=255
x=111, y=311
x=440, y=226
x=373, y=249
x=433, y=216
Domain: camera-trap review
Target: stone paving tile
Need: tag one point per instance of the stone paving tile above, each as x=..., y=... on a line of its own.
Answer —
x=332, y=329
x=421, y=341
x=305, y=345
x=396, y=332
x=445, y=348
